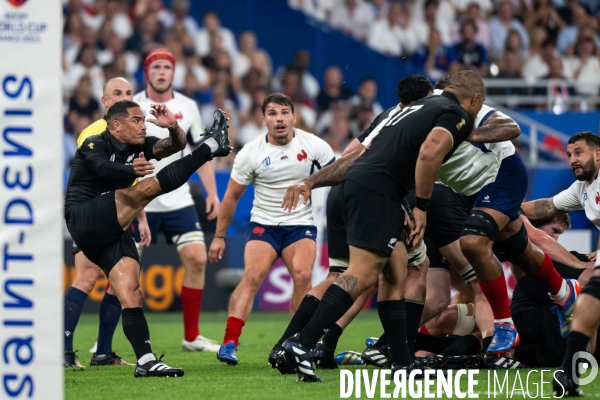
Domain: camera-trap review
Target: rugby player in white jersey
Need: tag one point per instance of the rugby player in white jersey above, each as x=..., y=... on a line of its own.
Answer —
x=583, y=150
x=273, y=162
x=174, y=213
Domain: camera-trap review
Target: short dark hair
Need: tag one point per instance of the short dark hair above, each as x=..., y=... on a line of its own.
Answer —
x=591, y=139
x=442, y=82
x=119, y=110
x=471, y=22
x=277, y=98
x=412, y=88
x=561, y=218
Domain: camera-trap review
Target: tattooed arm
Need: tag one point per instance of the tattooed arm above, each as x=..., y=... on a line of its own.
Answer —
x=540, y=209
x=171, y=145
x=328, y=176
x=499, y=127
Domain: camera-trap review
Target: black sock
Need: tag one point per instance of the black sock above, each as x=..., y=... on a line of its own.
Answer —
x=434, y=344
x=332, y=336
x=304, y=313
x=393, y=318
x=575, y=342
x=486, y=342
x=136, y=331
x=466, y=345
x=382, y=341
x=110, y=312
x=334, y=304
x=414, y=311
x=179, y=172
x=74, y=300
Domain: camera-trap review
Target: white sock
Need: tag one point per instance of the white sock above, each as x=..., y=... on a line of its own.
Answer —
x=145, y=358
x=212, y=143
x=503, y=321
x=562, y=294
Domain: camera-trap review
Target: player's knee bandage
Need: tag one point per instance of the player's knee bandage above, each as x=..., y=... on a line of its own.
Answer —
x=479, y=223
x=187, y=238
x=514, y=246
x=339, y=265
x=465, y=322
x=592, y=287
x=417, y=256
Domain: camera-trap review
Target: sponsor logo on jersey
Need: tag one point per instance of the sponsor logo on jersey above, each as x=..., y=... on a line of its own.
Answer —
x=284, y=157
x=486, y=199
x=91, y=145
x=112, y=158
x=179, y=115
x=584, y=198
x=308, y=233
x=130, y=158
x=392, y=242
x=461, y=124
x=302, y=156
x=267, y=164
x=258, y=230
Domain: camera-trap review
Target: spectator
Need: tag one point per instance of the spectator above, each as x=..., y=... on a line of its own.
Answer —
x=319, y=9
x=537, y=65
x=209, y=60
x=248, y=44
x=291, y=86
x=353, y=17
x=366, y=95
x=385, y=34
x=220, y=98
x=88, y=38
x=473, y=12
x=333, y=89
x=180, y=12
x=484, y=8
x=190, y=64
x=301, y=62
x=544, y=15
x=72, y=31
x=338, y=135
x=251, y=129
x=115, y=16
x=557, y=91
x=361, y=117
x=262, y=61
x=85, y=64
x=82, y=103
x=499, y=27
x=568, y=35
x=585, y=66
x=380, y=8
x=211, y=25
x=428, y=14
x=470, y=54
x=515, y=44
x=148, y=35
x=510, y=68
x=434, y=59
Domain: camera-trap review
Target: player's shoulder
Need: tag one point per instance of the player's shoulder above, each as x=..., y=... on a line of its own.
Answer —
x=309, y=138
x=141, y=97
x=183, y=100
x=94, y=129
x=483, y=114
x=94, y=141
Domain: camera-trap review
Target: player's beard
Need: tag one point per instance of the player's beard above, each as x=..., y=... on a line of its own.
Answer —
x=587, y=171
x=160, y=91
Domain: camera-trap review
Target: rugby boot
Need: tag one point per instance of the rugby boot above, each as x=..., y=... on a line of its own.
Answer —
x=156, y=368
x=505, y=338
x=228, y=353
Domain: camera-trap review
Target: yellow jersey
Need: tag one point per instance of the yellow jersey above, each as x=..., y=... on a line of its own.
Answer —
x=94, y=128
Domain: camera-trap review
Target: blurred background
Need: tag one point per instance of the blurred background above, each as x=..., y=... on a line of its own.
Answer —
x=340, y=61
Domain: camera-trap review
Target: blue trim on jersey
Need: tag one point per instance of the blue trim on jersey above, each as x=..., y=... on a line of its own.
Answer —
x=481, y=146
x=330, y=162
x=315, y=163
x=486, y=116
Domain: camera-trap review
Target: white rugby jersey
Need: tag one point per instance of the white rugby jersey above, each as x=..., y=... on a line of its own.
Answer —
x=474, y=165
x=273, y=169
x=581, y=196
x=188, y=118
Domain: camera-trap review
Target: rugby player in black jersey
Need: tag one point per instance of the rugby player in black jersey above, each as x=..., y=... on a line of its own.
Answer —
x=423, y=135
x=101, y=203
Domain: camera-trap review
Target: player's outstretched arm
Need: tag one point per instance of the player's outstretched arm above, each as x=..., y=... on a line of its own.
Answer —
x=540, y=209
x=328, y=176
x=230, y=200
x=164, y=118
x=431, y=155
x=499, y=127
x=550, y=246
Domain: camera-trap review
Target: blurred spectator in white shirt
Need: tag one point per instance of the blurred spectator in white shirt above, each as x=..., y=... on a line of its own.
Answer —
x=319, y=9
x=211, y=24
x=301, y=62
x=483, y=33
x=180, y=11
x=436, y=14
x=384, y=35
x=353, y=17
x=253, y=128
x=568, y=35
x=585, y=67
x=499, y=27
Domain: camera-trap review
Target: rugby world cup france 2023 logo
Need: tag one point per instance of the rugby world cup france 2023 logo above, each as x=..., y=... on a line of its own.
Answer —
x=17, y=3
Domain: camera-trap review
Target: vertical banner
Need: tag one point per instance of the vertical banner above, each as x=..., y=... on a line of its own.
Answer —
x=31, y=200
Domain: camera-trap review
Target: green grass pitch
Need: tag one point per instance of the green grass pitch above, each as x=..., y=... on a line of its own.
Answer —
x=207, y=378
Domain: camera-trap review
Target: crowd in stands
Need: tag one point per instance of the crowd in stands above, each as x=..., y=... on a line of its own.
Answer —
x=530, y=39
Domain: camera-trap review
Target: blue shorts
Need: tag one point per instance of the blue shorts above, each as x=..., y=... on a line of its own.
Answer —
x=173, y=224
x=507, y=192
x=280, y=237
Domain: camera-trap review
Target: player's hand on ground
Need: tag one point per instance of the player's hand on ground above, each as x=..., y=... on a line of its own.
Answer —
x=212, y=207
x=217, y=248
x=592, y=256
x=141, y=167
x=292, y=196
x=163, y=117
x=418, y=232
x=145, y=234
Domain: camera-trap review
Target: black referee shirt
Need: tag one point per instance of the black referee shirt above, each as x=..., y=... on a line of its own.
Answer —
x=103, y=164
x=388, y=166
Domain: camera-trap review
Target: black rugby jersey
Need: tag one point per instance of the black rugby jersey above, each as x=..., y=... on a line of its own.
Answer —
x=388, y=165
x=103, y=164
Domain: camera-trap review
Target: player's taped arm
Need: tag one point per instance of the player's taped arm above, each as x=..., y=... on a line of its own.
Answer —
x=230, y=200
x=548, y=245
x=540, y=209
x=105, y=168
x=332, y=174
x=499, y=127
x=170, y=145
